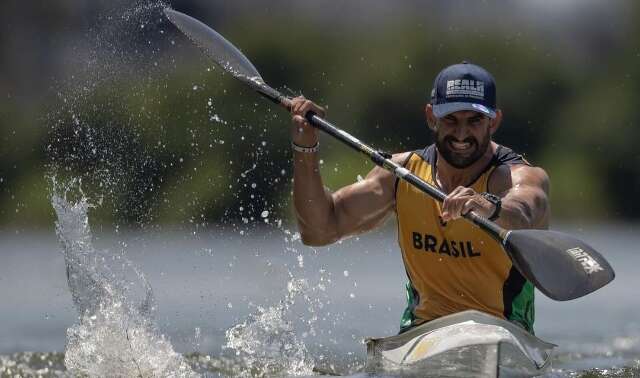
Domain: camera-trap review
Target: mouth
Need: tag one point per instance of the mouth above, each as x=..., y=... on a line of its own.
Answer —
x=461, y=147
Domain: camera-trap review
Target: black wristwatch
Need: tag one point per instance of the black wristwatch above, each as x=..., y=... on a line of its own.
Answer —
x=497, y=201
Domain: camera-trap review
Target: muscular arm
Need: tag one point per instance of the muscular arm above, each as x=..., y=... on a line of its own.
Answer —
x=324, y=217
x=524, y=191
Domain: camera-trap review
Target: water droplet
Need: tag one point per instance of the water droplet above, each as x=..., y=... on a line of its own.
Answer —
x=346, y=273
x=264, y=214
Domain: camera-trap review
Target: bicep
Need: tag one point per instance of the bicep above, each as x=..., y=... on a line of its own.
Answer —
x=365, y=204
x=530, y=188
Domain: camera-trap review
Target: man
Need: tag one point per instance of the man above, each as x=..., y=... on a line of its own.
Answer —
x=452, y=265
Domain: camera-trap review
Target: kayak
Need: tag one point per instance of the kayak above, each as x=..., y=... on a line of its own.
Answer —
x=465, y=344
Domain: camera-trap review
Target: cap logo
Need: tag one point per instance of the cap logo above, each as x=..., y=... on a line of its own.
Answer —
x=465, y=88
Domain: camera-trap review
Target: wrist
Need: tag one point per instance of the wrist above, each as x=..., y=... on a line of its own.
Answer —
x=305, y=149
x=497, y=205
x=305, y=143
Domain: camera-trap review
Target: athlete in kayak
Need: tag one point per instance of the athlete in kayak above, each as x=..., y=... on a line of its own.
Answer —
x=452, y=265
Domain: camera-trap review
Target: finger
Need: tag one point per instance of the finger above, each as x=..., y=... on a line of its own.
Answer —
x=309, y=106
x=297, y=106
x=300, y=121
x=304, y=106
x=294, y=103
x=458, y=206
x=456, y=201
x=470, y=205
x=449, y=200
x=449, y=207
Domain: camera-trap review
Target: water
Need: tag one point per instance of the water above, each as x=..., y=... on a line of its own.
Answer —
x=182, y=303
x=116, y=334
x=209, y=301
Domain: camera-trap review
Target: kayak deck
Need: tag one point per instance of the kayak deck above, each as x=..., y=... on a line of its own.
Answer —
x=469, y=343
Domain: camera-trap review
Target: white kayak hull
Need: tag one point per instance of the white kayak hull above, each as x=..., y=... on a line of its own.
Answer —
x=466, y=344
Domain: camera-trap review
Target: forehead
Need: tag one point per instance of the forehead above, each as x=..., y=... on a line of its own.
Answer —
x=464, y=114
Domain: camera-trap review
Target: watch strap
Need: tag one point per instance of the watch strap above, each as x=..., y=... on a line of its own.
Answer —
x=496, y=201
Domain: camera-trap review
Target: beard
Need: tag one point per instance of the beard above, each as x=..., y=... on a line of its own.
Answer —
x=459, y=159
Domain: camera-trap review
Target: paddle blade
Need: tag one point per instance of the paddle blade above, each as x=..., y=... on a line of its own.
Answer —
x=559, y=265
x=214, y=45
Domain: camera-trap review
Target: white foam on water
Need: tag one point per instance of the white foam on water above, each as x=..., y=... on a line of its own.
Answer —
x=116, y=334
x=266, y=342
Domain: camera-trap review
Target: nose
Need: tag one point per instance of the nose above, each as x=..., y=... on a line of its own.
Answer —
x=461, y=131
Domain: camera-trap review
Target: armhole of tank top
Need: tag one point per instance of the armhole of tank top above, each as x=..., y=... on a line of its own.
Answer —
x=395, y=185
x=499, y=160
x=488, y=169
x=491, y=170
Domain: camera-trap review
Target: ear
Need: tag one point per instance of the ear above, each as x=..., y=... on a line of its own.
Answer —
x=495, y=123
x=432, y=120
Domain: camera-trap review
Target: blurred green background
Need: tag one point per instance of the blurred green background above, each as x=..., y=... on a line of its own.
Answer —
x=109, y=93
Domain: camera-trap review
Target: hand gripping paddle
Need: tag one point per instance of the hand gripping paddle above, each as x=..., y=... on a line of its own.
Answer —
x=559, y=265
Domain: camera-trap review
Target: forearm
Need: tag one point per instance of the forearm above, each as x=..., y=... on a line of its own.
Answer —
x=522, y=209
x=314, y=206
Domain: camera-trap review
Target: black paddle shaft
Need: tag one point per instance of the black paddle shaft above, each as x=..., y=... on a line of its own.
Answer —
x=553, y=267
x=380, y=158
x=561, y=266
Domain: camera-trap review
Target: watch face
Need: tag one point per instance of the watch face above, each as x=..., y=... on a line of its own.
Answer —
x=491, y=197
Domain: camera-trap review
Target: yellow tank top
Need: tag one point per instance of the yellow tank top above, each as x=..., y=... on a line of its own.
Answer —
x=455, y=266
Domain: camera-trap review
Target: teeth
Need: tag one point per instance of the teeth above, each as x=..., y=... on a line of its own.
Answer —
x=460, y=146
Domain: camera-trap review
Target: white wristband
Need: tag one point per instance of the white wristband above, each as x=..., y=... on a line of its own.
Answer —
x=306, y=150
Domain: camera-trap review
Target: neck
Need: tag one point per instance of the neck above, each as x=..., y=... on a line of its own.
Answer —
x=449, y=177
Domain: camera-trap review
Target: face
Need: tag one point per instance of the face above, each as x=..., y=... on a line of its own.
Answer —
x=463, y=137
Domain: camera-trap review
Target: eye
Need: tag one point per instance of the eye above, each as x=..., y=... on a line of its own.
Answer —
x=449, y=120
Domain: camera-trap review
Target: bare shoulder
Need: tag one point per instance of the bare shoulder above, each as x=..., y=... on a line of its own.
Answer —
x=530, y=175
x=401, y=157
x=506, y=177
x=380, y=183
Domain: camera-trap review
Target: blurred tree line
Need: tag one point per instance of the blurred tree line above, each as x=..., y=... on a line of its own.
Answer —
x=158, y=135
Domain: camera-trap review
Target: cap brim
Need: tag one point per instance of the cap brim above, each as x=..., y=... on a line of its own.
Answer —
x=442, y=110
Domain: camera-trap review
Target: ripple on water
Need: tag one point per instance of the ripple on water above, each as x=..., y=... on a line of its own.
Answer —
x=31, y=364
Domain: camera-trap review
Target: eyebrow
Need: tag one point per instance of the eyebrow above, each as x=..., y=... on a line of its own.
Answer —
x=472, y=118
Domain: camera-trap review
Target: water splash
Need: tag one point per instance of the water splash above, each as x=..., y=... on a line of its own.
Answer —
x=266, y=342
x=117, y=335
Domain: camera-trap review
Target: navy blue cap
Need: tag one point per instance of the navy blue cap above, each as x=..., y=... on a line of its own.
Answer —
x=464, y=86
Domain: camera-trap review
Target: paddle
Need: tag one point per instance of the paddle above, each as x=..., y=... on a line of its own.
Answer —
x=559, y=265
